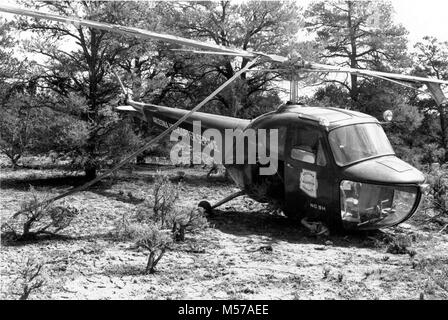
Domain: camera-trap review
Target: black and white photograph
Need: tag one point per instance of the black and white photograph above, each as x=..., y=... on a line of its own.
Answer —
x=204, y=152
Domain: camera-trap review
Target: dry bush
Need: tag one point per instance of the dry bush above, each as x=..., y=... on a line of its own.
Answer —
x=143, y=213
x=165, y=195
x=36, y=217
x=162, y=210
x=122, y=230
x=161, y=206
x=153, y=239
x=437, y=199
x=147, y=235
x=190, y=220
x=159, y=221
x=400, y=245
x=32, y=277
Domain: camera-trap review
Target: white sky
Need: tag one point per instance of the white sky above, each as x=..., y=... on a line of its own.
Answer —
x=420, y=17
x=423, y=17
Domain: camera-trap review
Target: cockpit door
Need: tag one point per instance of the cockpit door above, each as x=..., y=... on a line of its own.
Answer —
x=308, y=177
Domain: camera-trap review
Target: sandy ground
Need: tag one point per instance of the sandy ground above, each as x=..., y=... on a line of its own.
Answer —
x=247, y=253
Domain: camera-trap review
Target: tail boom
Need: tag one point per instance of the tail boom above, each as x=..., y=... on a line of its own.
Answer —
x=162, y=116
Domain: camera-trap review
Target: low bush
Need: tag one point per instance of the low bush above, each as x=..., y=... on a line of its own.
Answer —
x=162, y=205
x=437, y=199
x=159, y=221
x=32, y=277
x=190, y=220
x=400, y=245
x=37, y=217
x=155, y=240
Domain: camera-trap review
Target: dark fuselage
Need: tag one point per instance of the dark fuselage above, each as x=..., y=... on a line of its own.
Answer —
x=316, y=184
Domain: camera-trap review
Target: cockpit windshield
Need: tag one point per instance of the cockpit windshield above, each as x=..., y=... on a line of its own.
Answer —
x=357, y=142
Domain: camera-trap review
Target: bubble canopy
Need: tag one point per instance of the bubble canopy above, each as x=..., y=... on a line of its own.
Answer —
x=354, y=143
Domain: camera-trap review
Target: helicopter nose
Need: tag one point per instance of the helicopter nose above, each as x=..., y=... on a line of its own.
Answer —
x=385, y=170
x=379, y=192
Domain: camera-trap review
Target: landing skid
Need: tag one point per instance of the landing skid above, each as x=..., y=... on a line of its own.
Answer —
x=209, y=208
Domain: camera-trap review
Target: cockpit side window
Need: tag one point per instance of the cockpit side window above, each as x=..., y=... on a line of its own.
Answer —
x=306, y=146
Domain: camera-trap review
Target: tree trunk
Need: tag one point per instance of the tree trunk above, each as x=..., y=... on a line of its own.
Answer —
x=140, y=159
x=191, y=165
x=443, y=127
x=150, y=265
x=15, y=165
x=353, y=54
x=25, y=294
x=354, y=87
x=90, y=172
x=14, y=160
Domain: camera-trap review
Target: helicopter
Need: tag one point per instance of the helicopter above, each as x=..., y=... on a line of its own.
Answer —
x=333, y=165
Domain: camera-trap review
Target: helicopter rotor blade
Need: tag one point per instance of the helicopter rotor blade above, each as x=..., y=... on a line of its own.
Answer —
x=384, y=75
x=433, y=85
x=137, y=32
x=288, y=64
x=207, y=52
x=437, y=94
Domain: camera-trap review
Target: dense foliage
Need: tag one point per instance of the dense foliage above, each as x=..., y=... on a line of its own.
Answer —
x=64, y=103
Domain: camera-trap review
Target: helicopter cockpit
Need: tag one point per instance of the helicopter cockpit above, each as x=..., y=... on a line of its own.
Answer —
x=358, y=142
x=372, y=200
x=338, y=165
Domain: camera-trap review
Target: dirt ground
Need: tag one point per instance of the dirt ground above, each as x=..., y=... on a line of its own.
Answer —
x=246, y=253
